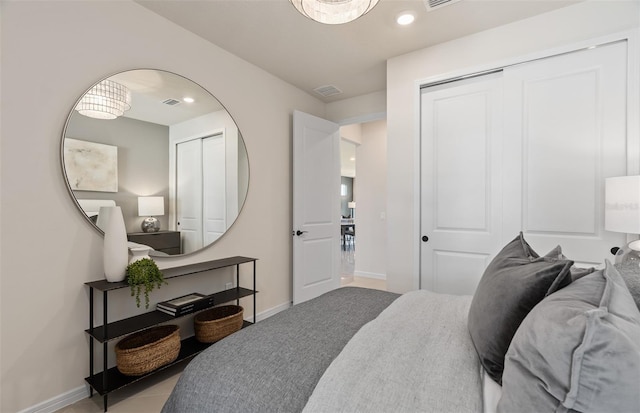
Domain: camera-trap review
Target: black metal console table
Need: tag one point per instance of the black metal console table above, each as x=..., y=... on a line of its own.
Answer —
x=109, y=380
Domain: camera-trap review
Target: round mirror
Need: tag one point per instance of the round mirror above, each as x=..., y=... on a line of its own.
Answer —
x=165, y=151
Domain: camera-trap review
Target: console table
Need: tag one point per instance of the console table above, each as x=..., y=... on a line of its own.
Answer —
x=110, y=379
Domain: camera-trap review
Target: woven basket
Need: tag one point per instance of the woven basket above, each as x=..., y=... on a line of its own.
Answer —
x=147, y=350
x=218, y=322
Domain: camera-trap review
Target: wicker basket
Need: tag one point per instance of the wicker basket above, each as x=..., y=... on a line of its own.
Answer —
x=147, y=350
x=218, y=322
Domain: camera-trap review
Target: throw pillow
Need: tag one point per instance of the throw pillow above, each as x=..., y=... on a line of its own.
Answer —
x=514, y=282
x=578, y=350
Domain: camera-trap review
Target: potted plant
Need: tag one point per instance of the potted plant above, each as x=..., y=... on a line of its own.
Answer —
x=144, y=273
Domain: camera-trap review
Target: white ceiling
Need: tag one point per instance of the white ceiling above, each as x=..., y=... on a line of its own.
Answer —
x=150, y=88
x=271, y=34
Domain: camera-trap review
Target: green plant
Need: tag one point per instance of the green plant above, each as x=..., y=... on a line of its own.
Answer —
x=145, y=273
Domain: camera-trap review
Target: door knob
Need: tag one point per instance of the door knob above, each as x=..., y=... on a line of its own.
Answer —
x=298, y=232
x=425, y=238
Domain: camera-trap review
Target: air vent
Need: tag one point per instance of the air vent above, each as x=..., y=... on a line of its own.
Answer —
x=171, y=102
x=328, y=90
x=436, y=4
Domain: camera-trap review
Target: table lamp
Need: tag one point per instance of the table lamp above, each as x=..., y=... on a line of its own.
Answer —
x=150, y=207
x=622, y=212
x=352, y=205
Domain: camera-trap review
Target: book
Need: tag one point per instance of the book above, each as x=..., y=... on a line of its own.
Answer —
x=185, y=304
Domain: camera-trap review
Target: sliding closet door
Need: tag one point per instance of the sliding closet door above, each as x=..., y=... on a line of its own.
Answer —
x=565, y=132
x=461, y=191
x=214, y=188
x=189, y=194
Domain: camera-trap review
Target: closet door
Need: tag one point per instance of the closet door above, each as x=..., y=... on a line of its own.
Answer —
x=565, y=132
x=189, y=194
x=213, y=188
x=461, y=190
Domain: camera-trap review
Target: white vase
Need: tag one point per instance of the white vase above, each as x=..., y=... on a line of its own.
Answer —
x=139, y=253
x=115, y=253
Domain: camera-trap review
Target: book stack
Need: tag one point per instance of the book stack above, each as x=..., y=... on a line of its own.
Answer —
x=185, y=305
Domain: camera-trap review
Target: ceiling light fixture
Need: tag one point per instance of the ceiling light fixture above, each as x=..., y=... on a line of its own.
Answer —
x=334, y=11
x=188, y=99
x=106, y=100
x=405, y=18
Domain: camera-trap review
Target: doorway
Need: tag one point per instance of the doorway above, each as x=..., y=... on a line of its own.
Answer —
x=364, y=160
x=347, y=211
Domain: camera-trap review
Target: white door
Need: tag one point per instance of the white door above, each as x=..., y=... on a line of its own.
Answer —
x=564, y=132
x=461, y=182
x=189, y=194
x=316, y=206
x=214, y=206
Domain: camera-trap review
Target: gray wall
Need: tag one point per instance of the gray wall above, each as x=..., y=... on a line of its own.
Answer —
x=143, y=162
x=344, y=200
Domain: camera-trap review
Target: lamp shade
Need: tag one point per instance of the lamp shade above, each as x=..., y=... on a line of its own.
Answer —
x=149, y=206
x=106, y=100
x=622, y=204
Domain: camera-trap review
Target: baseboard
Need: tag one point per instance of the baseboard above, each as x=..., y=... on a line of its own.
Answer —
x=271, y=311
x=374, y=275
x=75, y=395
x=60, y=401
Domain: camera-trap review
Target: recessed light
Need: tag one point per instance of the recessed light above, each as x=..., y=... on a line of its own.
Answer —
x=353, y=158
x=405, y=18
x=188, y=100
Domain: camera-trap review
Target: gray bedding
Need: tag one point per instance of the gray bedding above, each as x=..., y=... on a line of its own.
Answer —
x=274, y=365
x=416, y=356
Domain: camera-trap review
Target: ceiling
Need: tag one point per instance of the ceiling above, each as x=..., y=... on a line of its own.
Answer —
x=352, y=57
x=150, y=89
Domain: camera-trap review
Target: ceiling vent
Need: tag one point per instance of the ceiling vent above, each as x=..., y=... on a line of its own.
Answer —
x=328, y=90
x=436, y=4
x=171, y=102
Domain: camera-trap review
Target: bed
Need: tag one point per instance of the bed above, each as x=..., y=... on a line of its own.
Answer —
x=538, y=335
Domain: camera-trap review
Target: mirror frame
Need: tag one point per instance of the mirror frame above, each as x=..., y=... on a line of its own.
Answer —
x=71, y=191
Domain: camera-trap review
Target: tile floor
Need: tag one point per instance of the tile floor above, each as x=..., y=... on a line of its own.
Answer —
x=149, y=395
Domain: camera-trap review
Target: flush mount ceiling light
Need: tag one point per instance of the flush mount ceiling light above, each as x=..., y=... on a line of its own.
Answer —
x=334, y=11
x=106, y=100
x=405, y=18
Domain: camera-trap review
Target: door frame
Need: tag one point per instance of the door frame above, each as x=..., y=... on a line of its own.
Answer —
x=631, y=37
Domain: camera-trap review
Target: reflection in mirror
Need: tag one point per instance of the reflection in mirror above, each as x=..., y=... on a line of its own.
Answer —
x=163, y=149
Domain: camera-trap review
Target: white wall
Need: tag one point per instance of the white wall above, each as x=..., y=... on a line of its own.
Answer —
x=565, y=26
x=51, y=53
x=365, y=108
x=371, y=201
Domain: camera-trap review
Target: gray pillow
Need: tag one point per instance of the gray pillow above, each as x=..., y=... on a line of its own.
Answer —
x=514, y=282
x=578, y=350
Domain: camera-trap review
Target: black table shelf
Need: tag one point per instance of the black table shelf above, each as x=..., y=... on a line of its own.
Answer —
x=110, y=379
x=104, y=285
x=189, y=348
x=130, y=325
